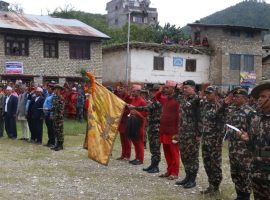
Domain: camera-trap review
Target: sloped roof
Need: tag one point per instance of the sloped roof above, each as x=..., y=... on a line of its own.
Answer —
x=47, y=24
x=160, y=47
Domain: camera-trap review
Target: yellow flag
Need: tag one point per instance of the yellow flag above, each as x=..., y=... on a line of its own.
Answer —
x=104, y=115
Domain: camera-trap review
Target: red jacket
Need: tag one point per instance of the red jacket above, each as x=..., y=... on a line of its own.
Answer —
x=139, y=101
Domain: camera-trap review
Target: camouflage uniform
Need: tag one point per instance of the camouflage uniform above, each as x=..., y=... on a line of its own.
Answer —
x=212, y=126
x=154, y=112
x=188, y=143
x=240, y=156
x=260, y=146
x=58, y=116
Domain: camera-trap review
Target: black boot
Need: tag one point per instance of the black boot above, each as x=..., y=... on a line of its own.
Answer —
x=182, y=182
x=59, y=146
x=191, y=182
x=154, y=169
x=148, y=168
x=242, y=195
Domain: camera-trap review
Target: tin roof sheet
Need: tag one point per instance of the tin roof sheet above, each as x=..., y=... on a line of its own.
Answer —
x=48, y=24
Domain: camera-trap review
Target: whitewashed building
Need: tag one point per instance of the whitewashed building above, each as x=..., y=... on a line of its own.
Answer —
x=155, y=63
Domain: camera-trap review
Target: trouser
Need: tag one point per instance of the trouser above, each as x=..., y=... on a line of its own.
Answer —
x=49, y=124
x=189, y=148
x=154, y=145
x=261, y=189
x=79, y=113
x=10, y=125
x=171, y=153
x=212, y=159
x=58, y=125
x=139, y=145
x=25, y=129
x=1, y=124
x=126, y=145
x=37, y=130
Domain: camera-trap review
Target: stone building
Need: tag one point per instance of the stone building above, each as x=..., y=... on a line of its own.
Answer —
x=266, y=62
x=150, y=63
x=237, y=57
x=140, y=12
x=44, y=48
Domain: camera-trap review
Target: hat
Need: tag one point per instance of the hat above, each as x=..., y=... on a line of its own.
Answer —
x=210, y=89
x=154, y=88
x=170, y=83
x=189, y=82
x=9, y=88
x=240, y=91
x=39, y=89
x=264, y=85
x=58, y=87
x=136, y=87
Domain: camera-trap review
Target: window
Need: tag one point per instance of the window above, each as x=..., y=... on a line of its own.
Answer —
x=137, y=19
x=235, y=33
x=79, y=50
x=158, y=63
x=50, y=48
x=16, y=45
x=191, y=65
x=248, y=63
x=249, y=34
x=235, y=61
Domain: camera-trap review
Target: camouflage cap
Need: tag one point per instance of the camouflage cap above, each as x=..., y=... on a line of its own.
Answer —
x=210, y=89
x=189, y=82
x=155, y=87
x=264, y=85
x=240, y=91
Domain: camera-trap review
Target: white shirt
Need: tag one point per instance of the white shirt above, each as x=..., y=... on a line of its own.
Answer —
x=36, y=99
x=7, y=99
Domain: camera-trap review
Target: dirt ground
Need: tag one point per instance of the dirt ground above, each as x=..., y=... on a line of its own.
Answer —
x=29, y=171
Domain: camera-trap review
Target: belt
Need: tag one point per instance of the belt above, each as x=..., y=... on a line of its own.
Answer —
x=262, y=153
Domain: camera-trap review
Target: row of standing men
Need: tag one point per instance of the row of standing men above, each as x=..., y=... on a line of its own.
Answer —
x=180, y=120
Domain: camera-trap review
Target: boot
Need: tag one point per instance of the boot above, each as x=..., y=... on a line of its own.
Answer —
x=242, y=195
x=182, y=182
x=148, y=168
x=190, y=183
x=59, y=146
x=154, y=169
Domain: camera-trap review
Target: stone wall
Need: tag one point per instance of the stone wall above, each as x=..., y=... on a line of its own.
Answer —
x=36, y=65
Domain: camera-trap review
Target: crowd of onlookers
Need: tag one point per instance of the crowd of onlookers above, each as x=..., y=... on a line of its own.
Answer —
x=30, y=106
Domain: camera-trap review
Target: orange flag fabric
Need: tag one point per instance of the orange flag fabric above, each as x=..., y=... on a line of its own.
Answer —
x=104, y=115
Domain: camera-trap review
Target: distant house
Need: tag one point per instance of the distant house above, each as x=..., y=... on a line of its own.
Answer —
x=140, y=12
x=237, y=57
x=155, y=63
x=43, y=48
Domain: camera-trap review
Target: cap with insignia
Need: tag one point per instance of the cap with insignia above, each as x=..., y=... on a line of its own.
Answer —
x=240, y=91
x=210, y=89
x=264, y=85
x=189, y=82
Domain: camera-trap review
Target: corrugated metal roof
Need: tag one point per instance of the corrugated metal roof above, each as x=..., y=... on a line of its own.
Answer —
x=47, y=24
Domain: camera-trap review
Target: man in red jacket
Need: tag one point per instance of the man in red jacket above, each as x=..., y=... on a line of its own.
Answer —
x=121, y=92
x=137, y=100
x=169, y=125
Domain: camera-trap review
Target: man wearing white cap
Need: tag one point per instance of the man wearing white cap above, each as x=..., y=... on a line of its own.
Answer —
x=37, y=115
x=10, y=108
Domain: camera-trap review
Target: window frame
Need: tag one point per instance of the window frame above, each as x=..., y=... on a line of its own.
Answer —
x=80, y=45
x=21, y=40
x=192, y=68
x=249, y=65
x=158, y=63
x=50, y=43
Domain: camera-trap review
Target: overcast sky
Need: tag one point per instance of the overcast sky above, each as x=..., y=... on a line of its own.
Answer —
x=179, y=12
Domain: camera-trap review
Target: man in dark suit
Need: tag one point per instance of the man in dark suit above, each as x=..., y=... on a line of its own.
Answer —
x=37, y=116
x=10, y=108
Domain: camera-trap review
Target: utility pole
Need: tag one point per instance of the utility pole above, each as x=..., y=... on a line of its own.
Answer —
x=127, y=57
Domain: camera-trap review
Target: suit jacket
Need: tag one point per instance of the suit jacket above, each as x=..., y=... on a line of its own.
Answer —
x=11, y=105
x=35, y=108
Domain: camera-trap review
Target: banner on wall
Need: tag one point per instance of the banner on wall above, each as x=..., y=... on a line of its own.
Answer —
x=14, y=67
x=178, y=62
x=247, y=78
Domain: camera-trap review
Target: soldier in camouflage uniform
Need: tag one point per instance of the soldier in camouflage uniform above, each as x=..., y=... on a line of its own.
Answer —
x=212, y=127
x=58, y=118
x=154, y=112
x=189, y=136
x=239, y=155
x=258, y=141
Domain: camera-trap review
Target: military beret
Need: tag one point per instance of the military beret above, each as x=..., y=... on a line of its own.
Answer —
x=189, y=82
x=210, y=89
x=240, y=91
x=58, y=87
x=264, y=85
